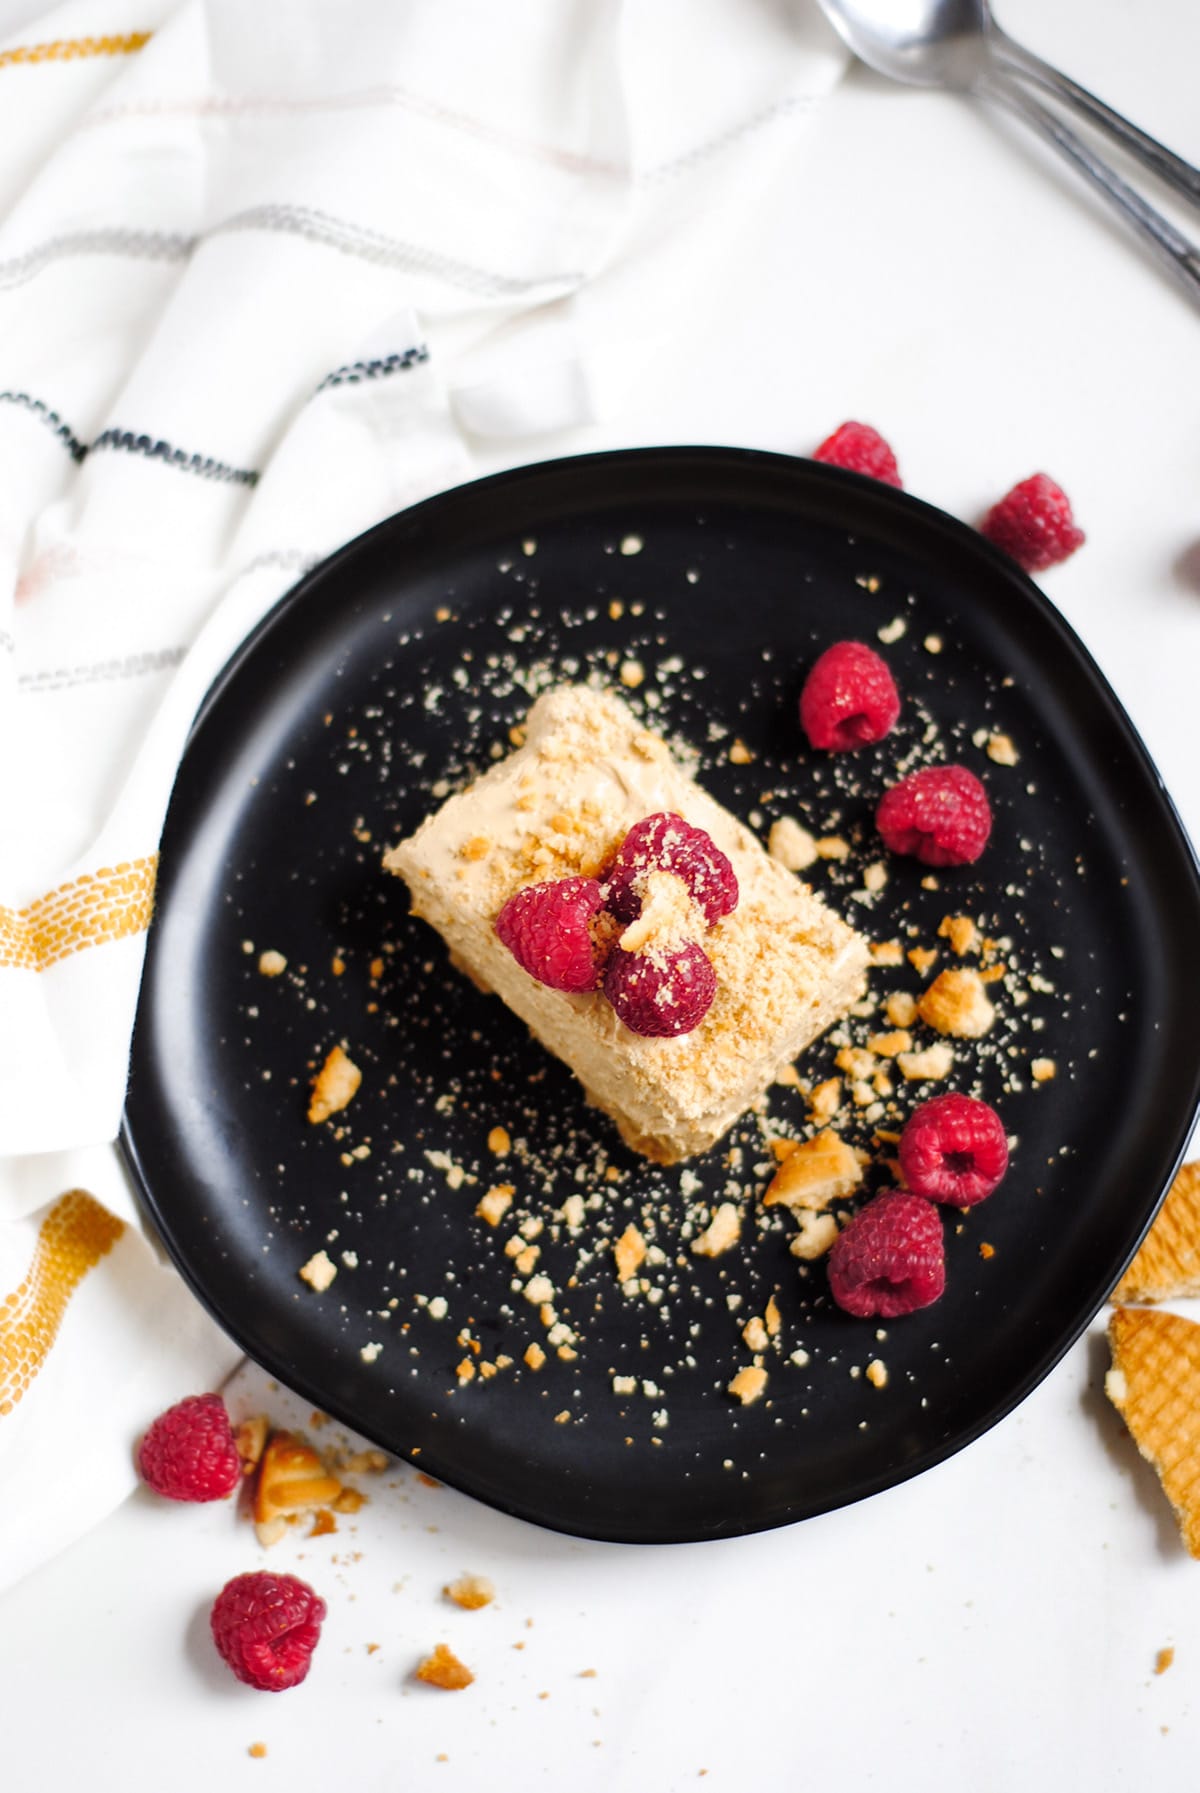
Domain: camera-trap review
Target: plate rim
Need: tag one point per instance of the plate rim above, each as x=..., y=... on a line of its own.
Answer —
x=887, y=1475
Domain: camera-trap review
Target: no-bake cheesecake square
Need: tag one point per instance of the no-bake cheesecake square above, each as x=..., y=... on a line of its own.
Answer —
x=560, y=806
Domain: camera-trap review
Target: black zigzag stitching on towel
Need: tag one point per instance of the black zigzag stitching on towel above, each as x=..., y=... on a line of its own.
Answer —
x=66, y=435
x=150, y=446
x=157, y=450
x=356, y=371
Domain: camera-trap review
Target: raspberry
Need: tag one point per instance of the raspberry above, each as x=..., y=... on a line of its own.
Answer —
x=1034, y=524
x=661, y=994
x=940, y=815
x=266, y=1628
x=849, y=698
x=890, y=1260
x=953, y=1149
x=189, y=1453
x=667, y=843
x=861, y=449
x=547, y=929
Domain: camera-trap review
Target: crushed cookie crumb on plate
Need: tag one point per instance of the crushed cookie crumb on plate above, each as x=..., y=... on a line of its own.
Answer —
x=376, y=688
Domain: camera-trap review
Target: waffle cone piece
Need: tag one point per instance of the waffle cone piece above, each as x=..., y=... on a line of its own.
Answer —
x=1167, y=1267
x=1154, y=1384
x=291, y=1480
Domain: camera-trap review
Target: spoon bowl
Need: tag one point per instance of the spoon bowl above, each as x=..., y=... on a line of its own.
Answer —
x=927, y=43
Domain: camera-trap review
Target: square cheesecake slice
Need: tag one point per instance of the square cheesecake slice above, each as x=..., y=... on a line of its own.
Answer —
x=560, y=805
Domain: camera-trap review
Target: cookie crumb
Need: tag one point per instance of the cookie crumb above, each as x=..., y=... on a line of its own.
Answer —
x=1000, y=749
x=498, y=1142
x=1164, y=1659
x=876, y=1373
x=535, y=1357
x=334, y=1086
x=791, y=845
x=272, y=964
x=257, y=1750
x=749, y=1383
x=961, y=932
x=319, y=1271
x=722, y=1232
x=471, y=1592
x=1043, y=1070
x=493, y=1206
x=956, y=1003
x=934, y=1063
x=740, y=754
x=629, y=1253
x=443, y=1669
x=887, y=952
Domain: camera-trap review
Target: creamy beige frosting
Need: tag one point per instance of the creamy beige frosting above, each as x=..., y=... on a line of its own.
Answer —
x=561, y=804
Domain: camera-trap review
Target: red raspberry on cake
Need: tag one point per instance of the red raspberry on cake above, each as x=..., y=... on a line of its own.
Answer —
x=266, y=1628
x=1034, y=524
x=954, y=1149
x=548, y=930
x=666, y=843
x=849, y=698
x=940, y=815
x=190, y=1452
x=890, y=1259
x=860, y=449
x=663, y=993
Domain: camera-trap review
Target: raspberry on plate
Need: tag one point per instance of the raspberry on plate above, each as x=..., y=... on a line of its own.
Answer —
x=190, y=1452
x=953, y=1149
x=1034, y=524
x=666, y=843
x=940, y=815
x=890, y=1260
x=661, y=994
x=849, y=698
x=547, y=929
x=266, y=1628
x=860, y=449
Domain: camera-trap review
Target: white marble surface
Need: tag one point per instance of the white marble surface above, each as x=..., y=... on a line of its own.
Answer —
x=995, y=1622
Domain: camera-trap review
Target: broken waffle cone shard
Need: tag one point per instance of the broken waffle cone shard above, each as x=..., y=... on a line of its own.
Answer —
x=1167, y=1266
x=820, y=1170
x=291, y=1479
x=1154, y=1384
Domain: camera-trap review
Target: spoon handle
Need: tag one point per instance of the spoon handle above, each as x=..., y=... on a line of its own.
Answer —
x=1178, y=254
x=1153, y=155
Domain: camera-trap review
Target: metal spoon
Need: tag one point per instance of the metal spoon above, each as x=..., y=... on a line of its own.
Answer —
x=958, y=44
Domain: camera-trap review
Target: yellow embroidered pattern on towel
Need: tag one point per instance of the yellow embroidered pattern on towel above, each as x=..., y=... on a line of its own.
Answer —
x=73, y=1238
x=103, y=905
x=70, y=49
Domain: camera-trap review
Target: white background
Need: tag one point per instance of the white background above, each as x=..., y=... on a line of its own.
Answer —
x=994, y=1623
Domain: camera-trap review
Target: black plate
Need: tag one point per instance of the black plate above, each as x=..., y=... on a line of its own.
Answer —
x=390, y=670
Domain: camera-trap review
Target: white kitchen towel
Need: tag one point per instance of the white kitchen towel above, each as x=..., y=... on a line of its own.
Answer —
x=268, y=274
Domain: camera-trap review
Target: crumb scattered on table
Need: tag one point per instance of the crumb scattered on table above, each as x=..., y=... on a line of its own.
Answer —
x=443, y=1669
